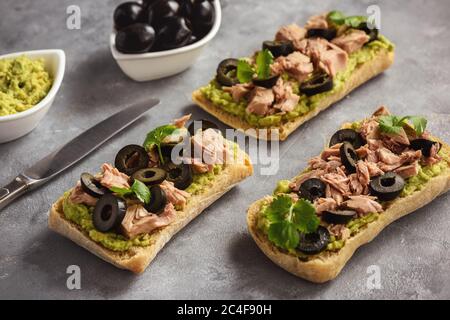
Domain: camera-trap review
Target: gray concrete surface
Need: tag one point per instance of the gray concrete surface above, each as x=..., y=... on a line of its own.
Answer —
x=214, y=257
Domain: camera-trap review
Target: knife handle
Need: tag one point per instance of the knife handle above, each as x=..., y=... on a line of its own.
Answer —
x=13, y=190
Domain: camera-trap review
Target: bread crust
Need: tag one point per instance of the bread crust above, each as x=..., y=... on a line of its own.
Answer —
x=326, y=267
x=382, y=61
x=137, y=259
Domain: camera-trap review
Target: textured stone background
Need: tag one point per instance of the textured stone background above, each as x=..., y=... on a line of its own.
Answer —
x=214, y=257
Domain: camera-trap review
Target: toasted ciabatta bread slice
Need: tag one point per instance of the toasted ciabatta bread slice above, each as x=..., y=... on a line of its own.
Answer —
x=364, y=72
x=327, y=265
x=137, y=259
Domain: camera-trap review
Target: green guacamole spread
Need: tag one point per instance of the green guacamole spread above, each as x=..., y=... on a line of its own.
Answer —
x=23, y=84
x=215, y=94
x=81, y=215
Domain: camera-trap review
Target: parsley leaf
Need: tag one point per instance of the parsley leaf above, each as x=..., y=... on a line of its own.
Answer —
x=304, y=216
x=338, y=18
x=263, y=61
x=354, y=21
x=155, y=138
x=139, y=189
x=287, y=219
x=245, y=71
x=394, y=124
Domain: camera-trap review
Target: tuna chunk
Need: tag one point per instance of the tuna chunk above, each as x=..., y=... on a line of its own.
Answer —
x=302, y=178
x=261, y=100
x=406, y=157
x=382, y=111
x=362, y=171
x=363, y=204
x=434, y=156
x=331, y=152
x=175, y=196
x=286, y=99
x=239, y=91
x=339, y=231
x=181, y=122
x=325, y=204
x=408, y=171
x=370, y=129
x=317, y=22
x=338, y=181
x=374, y=170
x=334, y=194
x=387, y=156
x=296, y=64
x=138, y=220
x=355, y=185
x=351, y=41
x=78, y=196
x=111, y=177
x=211, y=146
x=291, y=32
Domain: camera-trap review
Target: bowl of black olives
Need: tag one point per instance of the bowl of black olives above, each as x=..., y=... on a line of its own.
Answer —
x=153, y=39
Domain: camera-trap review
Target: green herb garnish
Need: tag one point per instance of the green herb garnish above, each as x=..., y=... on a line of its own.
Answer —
x=338, y=18
x=139, y=189
x=394, y=125
x=155, y=138
x=246, y=72
x=287, y=219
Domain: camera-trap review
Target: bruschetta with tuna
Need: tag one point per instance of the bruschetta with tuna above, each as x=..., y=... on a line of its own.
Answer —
x=126, y=213
x=374, y=172
x=297, y=75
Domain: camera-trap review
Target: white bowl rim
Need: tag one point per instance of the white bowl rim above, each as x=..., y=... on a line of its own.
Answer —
x=58, y=77
x=127, y=56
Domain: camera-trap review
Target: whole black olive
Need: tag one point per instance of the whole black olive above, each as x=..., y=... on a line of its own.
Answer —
x=328, y=34
x=108, y=213
x=91, y=186
x=348, y=135
x=180, y=175
x=158, y=200
x=318, y=83
x=349, y=157
x=338, y=217
x=164, y=9
x=137, y=38
x=425, y=146
x=387, y=187
x=174, y=33
x=266, y=83
x=131, y=159
x=150, y=176
x=312, y=189
x=201, y=125
x=279, y=48
x=186, y=7
x=127, y=14
x=202, y=17
x=149, y=3
x=227, y=72
x=313, y=243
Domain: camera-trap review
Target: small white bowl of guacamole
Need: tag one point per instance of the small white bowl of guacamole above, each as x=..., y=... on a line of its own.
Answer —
x=29, y=82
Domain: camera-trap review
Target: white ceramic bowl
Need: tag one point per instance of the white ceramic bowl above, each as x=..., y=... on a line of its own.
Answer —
x=19, y=124
x=157, y=65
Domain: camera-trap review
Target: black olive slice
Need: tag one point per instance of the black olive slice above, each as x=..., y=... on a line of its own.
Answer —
x=150, y=176
x=158, y=200
x=131, y=159
x=312, y=189
x=203, y=125
x=387, y=187
x=425, y=146
x=180, y=175
x=338, y=217
x=279, y=48
x=266, y=83
x=91, y=186
x=318, y=83
x=227, y=72
x=313, y=243
x=372, y=33
x=108, y=213
x=136, y=38
x=328, y=34
x=347, y=135
x=349, y=157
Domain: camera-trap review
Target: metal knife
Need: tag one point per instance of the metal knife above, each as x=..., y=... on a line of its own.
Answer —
x=72, y=152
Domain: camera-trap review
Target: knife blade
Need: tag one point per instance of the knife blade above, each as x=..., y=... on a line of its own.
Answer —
x=72, y=152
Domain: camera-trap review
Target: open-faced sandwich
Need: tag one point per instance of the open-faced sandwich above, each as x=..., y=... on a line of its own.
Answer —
x=373, y=172
x=302, y=72
x=128, y=212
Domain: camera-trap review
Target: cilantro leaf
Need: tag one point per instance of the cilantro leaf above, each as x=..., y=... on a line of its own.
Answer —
x=284, y=235
x=419, y=124
x=278, y=209
x=245, y=71
x=141, y=191
x=354, y=21
x=336, y=17
x=122, y=192
x=263, y=61
x=155, y=138
x=304, y=216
